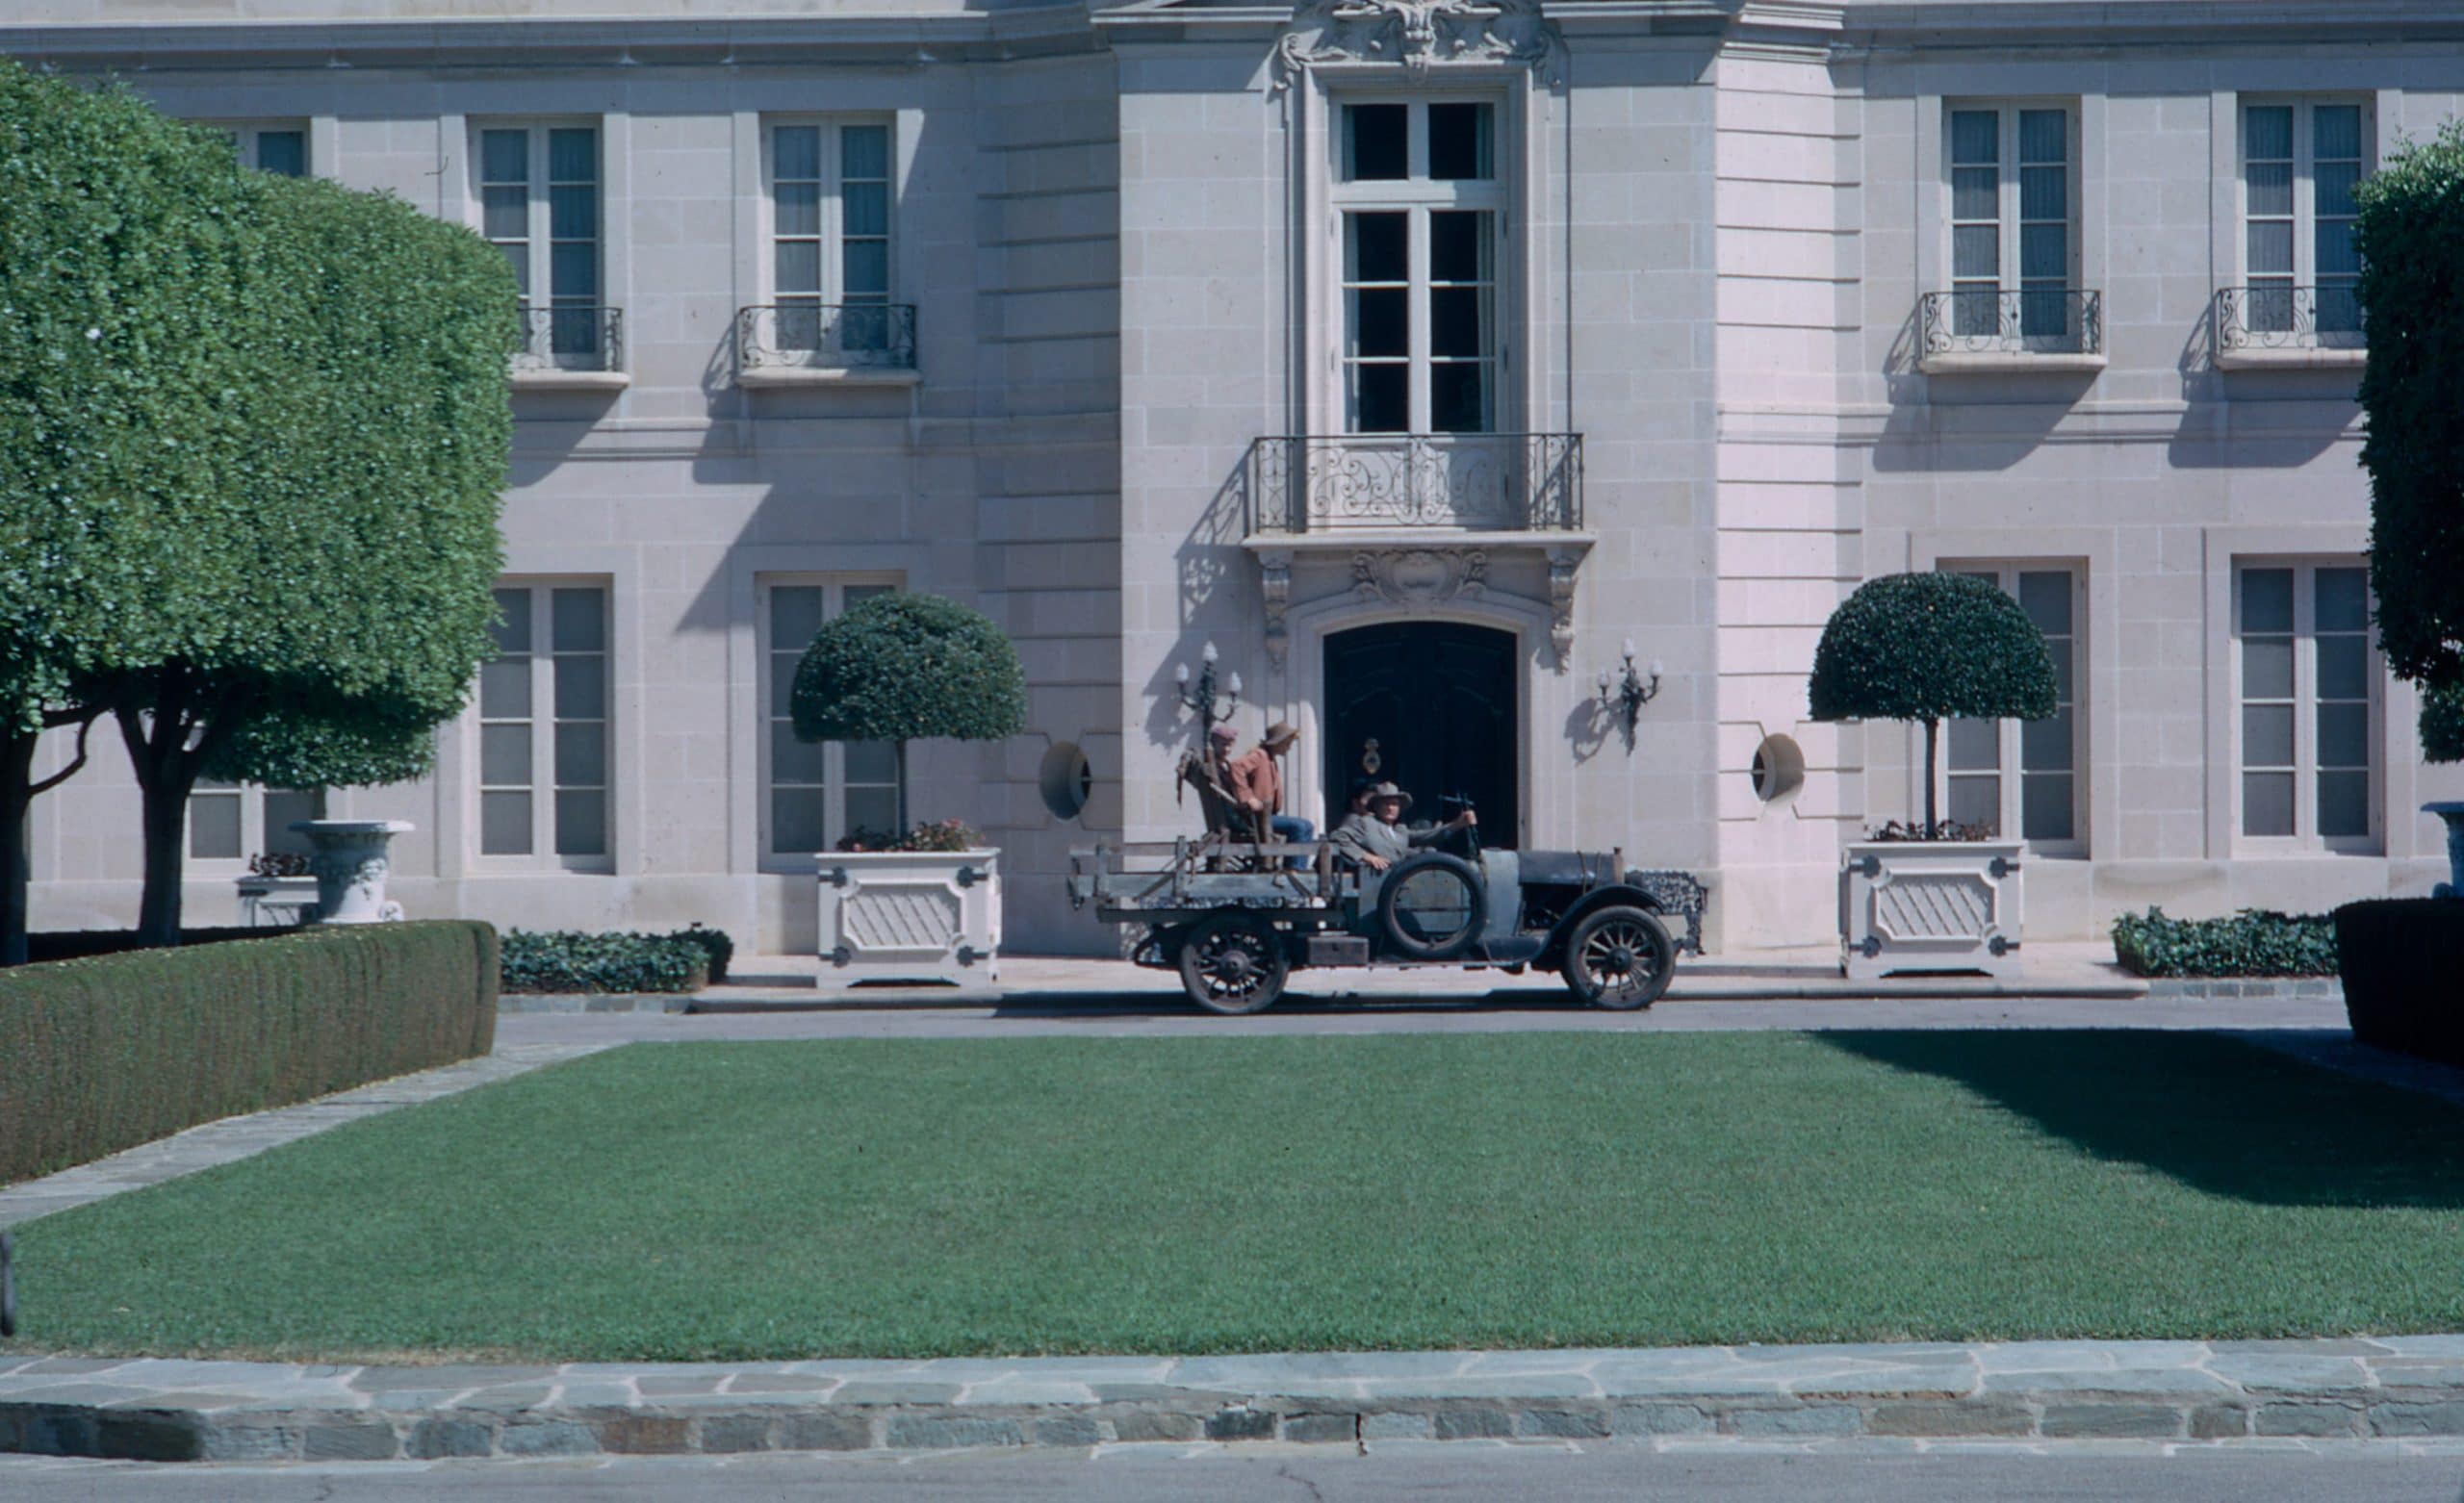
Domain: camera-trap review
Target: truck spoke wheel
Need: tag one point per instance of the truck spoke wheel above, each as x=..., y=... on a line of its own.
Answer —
x=1619, y=958
x=1233, y=963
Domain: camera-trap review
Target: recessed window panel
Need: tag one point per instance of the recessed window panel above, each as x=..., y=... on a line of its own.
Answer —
x=214, y=825
x=795, y=152
x=1459, y=144
x=2266, y=804
x=797, y=819
x=2047, y=809
x=1378, y=142
x=581, y=687
x=2267, y=735
x=2266, y=599
x=1974, y=744
x=1977, y=802
x=1459, y=398
x=2343, y=599
x=1381, y=322
x=2343, y=667
x=1377, y=248
x=504, y=755
x=581, y=754
x=2344, y=804
x=504, y=823
x=1458, y=246
x=2344, y=735
x=1380, y=398
x=581, y=822
x=2045, y=744
x=283, y=153
x=2267, y=668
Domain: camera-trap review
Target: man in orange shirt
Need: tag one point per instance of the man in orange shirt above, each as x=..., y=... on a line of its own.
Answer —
x=1256, y=783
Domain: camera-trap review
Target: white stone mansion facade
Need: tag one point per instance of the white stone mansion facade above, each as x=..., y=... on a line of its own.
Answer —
x=1416, y=354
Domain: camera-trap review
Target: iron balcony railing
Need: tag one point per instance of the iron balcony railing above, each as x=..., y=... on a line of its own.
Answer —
x=825, y=336
x=1471, y=482
x=2280, y=316
x=2051, y=320
x=571, y=337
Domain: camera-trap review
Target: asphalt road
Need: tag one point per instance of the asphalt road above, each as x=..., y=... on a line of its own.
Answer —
x=2379, y=1472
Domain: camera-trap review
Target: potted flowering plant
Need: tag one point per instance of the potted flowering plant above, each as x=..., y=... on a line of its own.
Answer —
x=1923, y=647
x=900, y=668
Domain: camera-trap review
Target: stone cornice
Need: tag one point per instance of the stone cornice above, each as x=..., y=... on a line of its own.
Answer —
x=545, y=41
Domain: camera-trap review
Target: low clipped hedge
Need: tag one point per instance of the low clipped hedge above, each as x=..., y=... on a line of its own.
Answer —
x=2403, y=972
x=103, y=1053
x=2253, y=942
x=571, y=961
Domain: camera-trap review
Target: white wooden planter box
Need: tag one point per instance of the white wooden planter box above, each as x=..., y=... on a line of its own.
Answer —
x=909, y=915
x=1929, y=905
x=277, y=900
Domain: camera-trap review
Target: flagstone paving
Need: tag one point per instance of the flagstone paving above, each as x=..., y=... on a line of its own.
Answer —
x=2350, y=1388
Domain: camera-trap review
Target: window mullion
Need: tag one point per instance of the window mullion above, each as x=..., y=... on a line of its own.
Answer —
x=832, y=250
x=2305, y=699
x=1419, y=311
x=543, y=260
x=2007, y=195
x=2305, y=201
x=543, y=726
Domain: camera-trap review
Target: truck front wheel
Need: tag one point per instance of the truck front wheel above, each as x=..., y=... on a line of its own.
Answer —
x=1619, y=958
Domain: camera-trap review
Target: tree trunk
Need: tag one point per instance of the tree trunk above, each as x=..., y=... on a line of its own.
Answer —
x=16, y=797
x=158, y=736
x=903, y=826
x=1932, y=728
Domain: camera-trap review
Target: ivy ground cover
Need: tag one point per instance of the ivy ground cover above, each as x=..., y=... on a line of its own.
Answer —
x=896, y=1198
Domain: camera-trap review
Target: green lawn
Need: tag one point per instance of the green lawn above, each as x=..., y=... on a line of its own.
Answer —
x=887, y=1198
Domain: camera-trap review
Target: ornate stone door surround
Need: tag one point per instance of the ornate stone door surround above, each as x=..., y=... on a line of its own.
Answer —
x=1364, y=580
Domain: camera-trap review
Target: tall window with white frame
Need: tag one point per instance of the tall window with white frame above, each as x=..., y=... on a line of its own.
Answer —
x=1423, y=215
x=2025, y=777
x=539, y=204
x=2300, y=161
x=2013, y=232
x=2310, y=704
x=543, y=723
x=232, y=820
x=829, y=236
x=818, y=792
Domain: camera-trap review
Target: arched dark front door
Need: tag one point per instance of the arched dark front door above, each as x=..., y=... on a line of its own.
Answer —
x=1440, y=699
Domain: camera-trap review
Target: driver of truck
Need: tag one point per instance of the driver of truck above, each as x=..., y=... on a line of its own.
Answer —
x=1378, y=838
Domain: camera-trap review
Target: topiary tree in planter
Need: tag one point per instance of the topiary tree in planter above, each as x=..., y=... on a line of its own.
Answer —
x=901, y=668
x=1921, y=647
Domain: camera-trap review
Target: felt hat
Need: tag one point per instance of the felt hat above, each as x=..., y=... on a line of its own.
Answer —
x=1224, y=732
x=1390, y=791
x=1281, y=731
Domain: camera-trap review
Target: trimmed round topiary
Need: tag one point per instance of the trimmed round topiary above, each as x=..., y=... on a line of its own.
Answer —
x=2442, y=725
x=1925, y=647
x=908, y=668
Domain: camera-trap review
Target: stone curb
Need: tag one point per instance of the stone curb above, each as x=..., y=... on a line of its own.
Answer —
x=2395, y=1388
x=2267, y=988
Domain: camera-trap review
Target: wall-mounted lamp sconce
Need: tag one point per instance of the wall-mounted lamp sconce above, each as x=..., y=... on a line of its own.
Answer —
x=1630, y=692
x=1211, y=706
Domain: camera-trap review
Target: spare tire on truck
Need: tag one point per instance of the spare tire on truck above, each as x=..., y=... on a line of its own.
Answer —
x=1431, y=907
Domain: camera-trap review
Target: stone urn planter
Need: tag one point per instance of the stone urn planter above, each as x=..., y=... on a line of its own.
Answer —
x=2453, y=814
x=909, y=915
x=349, y=864
x=1929, y=905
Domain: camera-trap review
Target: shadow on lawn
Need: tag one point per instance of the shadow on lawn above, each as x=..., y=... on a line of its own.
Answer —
x=2220, y=1116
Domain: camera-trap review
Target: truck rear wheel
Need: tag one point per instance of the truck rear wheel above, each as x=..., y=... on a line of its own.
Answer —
x=1234, y=963
x=1619, y=958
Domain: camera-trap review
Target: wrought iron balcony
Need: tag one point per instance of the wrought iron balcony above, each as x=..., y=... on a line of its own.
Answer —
x=2282, y=316
x=571, y=337
x=2001, y=321
x=1463, y=482
x=824, y=336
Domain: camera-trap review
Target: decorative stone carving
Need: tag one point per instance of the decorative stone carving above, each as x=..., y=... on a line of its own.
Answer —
x=1418, y=577
x=1276, y=587
x=350, y=863
x=1561, y=603
x=1420, y=34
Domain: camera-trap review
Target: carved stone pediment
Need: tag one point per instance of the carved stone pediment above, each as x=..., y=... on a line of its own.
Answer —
x=1419, y=35
x=1418, y=577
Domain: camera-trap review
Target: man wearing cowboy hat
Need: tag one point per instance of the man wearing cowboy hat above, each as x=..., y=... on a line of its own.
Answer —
x=1256, y=783
x=1378, y=839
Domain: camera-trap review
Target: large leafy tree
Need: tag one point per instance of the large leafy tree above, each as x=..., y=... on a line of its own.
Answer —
x=259, y=475
x=1923, y=647
x=2410, y=235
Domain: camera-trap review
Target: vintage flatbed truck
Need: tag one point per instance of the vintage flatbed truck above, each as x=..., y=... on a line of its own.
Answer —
x=1235, y=918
